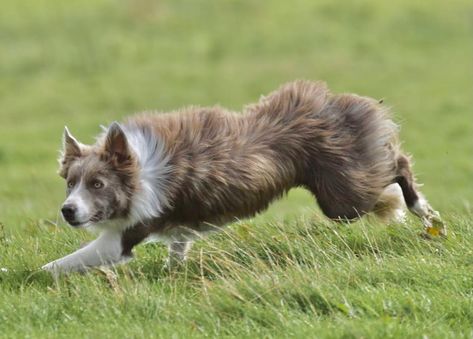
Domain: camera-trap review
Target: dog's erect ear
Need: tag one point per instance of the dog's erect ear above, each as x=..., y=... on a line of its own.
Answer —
x=70, y=145
x=71, y=150
x=116, y=143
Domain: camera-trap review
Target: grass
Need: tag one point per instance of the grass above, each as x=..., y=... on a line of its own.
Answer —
x=287, y=272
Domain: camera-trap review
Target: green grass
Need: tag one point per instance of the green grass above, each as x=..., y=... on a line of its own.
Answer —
x=288, y=272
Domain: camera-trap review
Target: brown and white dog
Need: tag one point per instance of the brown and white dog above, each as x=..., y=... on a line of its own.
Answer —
x=176, y=176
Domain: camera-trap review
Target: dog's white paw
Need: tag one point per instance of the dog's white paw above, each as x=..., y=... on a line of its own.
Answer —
x=54, y=267
x=49, y=267
x=57, y=266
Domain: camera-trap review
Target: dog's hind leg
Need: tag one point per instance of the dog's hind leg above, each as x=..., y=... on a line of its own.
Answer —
x=338, y=199
x=415, y=201
x=390, y=206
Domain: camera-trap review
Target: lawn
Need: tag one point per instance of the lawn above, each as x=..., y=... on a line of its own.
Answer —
x=287, y=272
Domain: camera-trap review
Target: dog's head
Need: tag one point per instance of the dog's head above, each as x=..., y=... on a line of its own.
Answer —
x=100, y=178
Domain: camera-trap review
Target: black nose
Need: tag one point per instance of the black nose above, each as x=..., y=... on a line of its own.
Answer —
x=68, y=211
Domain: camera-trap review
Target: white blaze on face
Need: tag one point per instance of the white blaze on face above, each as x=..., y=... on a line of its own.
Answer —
x=77, y=198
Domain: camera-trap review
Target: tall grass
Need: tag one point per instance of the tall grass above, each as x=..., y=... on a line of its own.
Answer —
x=287, y=272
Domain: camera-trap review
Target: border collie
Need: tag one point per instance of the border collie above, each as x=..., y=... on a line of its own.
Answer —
x=179, y=175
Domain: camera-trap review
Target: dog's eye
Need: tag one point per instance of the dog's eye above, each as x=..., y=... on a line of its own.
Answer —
x=98, y=184
x=70, y=184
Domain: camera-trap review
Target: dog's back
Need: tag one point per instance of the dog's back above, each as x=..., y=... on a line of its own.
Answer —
x=226, y=165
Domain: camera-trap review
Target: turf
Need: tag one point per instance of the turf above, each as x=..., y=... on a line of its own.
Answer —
x=287, y=272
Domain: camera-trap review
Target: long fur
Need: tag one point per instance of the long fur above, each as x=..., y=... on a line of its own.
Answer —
x=183, y=173
x=150, y=199
x=224, y=165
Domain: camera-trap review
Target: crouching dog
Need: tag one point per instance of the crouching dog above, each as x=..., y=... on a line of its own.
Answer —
x=176, y=176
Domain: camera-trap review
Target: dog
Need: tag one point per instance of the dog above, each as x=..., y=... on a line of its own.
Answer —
x=176, y=176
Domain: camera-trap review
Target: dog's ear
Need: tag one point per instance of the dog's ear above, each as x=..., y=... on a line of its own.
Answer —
x=70, y=146
x=71, y=149
x=116, y=143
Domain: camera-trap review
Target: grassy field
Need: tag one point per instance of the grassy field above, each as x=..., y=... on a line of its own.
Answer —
x=288, y=272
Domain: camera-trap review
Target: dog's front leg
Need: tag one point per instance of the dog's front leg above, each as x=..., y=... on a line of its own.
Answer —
x=107, y=249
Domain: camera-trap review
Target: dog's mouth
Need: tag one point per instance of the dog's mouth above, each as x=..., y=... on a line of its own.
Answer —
x=94, y=220
x=80, y=224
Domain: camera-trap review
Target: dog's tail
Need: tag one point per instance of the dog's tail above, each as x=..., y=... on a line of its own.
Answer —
x=406, y=180
x=415, y=201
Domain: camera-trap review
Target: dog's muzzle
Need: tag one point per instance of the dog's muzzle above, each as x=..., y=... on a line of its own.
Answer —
x=69, y=213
